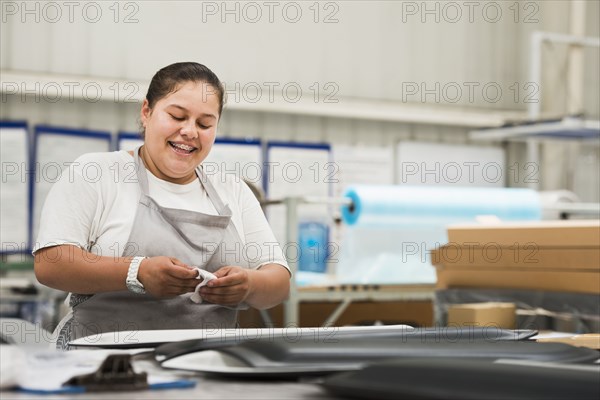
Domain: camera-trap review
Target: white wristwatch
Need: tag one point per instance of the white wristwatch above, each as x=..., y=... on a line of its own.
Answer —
x=132, y=282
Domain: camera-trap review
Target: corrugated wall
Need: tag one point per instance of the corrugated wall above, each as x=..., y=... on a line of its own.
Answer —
x=370, y=49
x=365, y=49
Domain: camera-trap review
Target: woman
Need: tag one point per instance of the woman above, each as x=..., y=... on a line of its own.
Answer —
x=125, y=242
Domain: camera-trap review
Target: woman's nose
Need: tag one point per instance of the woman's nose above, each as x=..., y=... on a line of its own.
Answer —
x=189, y=130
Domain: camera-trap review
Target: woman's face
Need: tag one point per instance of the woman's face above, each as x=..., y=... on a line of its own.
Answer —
x=180, y=131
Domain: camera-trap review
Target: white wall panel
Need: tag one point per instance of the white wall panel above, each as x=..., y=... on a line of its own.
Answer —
x=129, y=117
x=368, y=133
x=397, y=63
x=370, y=52
x=456, y=135
x=106, y=54
x=592, y=62
x=339, y=130
x=426, y=133
x=440, y=164
x=6, y=42
x=372, y=49
x=71, y=48
x=279, y=127
x=392, y=133
x=241, y=124
x=309, y=129
x=31, y=43
x=554, y=16
x=586, y=180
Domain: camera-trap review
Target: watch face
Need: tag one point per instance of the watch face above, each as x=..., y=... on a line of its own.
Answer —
x=135, y=287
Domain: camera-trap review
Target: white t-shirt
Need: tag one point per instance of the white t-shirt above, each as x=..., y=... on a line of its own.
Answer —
x=93, y=206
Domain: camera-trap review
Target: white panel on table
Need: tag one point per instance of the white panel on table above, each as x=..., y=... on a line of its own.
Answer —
x=55, y=149
x=14, y=195
x=449, y=164
x=296, y=169
x=242, y=158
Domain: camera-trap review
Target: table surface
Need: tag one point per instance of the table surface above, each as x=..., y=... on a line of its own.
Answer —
x=206, y=388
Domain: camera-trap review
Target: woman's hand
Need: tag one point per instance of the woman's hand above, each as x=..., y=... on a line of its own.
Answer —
x=259, y=288
x=165, y=277
x=231, y=287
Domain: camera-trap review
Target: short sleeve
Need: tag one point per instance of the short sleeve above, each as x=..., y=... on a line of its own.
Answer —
x=69, y=211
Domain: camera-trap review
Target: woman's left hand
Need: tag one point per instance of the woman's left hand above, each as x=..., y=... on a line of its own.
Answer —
x=232, y=286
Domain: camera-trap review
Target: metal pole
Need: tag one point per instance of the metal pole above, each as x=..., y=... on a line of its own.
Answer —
x=534, y=107
x=291, y=307
x=535, y=75
x=575, y=85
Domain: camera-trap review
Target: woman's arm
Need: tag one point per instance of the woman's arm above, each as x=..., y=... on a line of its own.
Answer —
x=270, y=285
x=71, y=269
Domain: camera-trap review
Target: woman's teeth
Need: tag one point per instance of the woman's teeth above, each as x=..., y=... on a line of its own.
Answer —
x=182, y=148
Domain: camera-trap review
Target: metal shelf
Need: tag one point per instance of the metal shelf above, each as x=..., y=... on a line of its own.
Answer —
x=567, y=128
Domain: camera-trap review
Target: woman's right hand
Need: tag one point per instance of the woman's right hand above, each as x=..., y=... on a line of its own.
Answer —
x=165, y=277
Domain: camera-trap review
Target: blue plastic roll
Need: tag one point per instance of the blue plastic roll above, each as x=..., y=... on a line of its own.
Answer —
x=401, y=205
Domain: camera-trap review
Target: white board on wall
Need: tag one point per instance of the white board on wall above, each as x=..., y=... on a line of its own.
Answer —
x=128, y=141
x=297, y=169
x=361, y=165
x=420, y=163
x=241, y=158
x=54, y=149
x=14, y=196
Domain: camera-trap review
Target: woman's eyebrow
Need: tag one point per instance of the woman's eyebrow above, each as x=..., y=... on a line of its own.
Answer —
x=186, y=110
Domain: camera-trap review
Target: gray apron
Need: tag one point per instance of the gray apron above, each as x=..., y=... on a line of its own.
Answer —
x=201, y=240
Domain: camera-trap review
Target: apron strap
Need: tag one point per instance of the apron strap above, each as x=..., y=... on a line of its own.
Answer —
x=141, y=171
x=204, y=181
x=212, y=192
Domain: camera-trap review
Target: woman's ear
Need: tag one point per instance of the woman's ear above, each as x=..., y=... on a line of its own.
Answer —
x=145, y=112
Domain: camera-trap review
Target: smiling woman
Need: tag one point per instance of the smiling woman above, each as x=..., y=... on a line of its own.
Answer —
x=179, y=131
x=128, y=247
x=179, y=118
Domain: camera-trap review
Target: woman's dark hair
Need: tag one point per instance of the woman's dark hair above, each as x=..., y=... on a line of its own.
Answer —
x=168, y=79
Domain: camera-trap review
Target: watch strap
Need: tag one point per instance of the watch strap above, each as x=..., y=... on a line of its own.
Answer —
x=132, y=281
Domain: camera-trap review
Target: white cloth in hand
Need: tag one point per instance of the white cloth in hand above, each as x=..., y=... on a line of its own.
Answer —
x=206, y=277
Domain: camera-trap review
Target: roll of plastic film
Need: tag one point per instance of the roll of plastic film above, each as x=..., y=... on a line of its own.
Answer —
x=392, y=229
x=387, y=205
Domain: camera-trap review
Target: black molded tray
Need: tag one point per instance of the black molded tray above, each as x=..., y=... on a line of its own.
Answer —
x=438, y=334
x=280, y=358
x=451, y=379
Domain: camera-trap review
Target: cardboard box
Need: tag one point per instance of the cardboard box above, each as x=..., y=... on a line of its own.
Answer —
x=557, y=234
x=528, y=257
x=513, y=278
x=552, y=255
x=590, y=340
x=500, y=315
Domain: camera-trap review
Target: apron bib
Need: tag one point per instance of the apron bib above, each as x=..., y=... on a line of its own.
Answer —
x=197, y=239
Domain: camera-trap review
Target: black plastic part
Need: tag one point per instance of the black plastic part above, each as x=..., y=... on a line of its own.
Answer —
x=456, y=379
x=437, y=334
x=115, y=374
x=353, y=353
